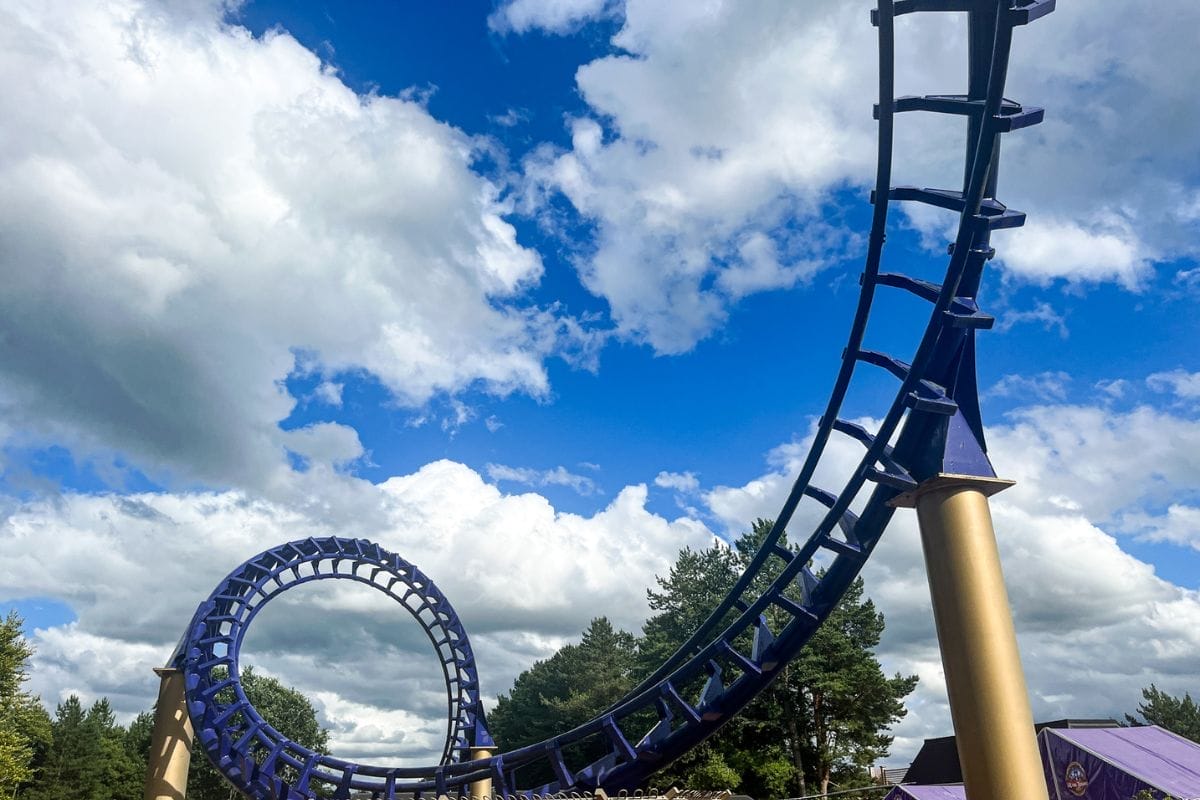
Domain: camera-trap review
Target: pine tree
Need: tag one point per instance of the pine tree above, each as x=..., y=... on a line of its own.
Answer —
x=1179, y=715
x=24, y=724
x=66, y=772
x=824, y=719
x=566, y=689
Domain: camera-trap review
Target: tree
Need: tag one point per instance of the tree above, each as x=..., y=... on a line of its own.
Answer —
x=87, y=758
x=70, y=749
x=286, y=709
x=550, y=696
x=1179, y=715
x=24, y=724
x=824, y=719
x=112, y=773
x=564, y=691
x=839, y=697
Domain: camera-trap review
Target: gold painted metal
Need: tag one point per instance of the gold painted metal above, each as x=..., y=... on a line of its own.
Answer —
x=482, y=788
x=171, y=741
x=989, y=701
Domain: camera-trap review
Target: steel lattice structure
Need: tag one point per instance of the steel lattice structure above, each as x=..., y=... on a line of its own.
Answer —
x=933, y=426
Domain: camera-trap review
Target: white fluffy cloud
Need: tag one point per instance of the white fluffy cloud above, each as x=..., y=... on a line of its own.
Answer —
x=191, y=213
x=1181, y=383
x=718, y=132
x=552, y=16
x=717, y=147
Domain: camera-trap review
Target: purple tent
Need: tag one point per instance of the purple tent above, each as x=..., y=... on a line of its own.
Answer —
x=1117, y=763
x=949, y=792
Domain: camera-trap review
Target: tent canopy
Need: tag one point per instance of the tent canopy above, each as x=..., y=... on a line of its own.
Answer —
x=1150, y=754
x=954, y=792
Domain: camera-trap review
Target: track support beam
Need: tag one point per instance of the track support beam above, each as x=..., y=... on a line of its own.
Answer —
x=171, y=741
x=989, y=702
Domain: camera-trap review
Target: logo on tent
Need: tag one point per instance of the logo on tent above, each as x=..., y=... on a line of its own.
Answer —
x=1076, y=778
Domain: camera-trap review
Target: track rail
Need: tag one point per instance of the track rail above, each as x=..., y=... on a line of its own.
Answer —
x=933, y=425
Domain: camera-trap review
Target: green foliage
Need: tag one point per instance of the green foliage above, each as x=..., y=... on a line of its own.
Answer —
x=1179, y=715
x=88, y=757
x=1150, y=794
x=549, y=697
x=285, y=708
x=712, y=770
x=24, y=724
x=696, y=583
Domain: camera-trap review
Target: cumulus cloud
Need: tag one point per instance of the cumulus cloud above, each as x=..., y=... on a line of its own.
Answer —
x=702, y=165
x=1086, y=477
x=192, y=213
x=551, y=16
x=1042, y=313
x=1181, y=383
x=679, y=481
x=1043, y=386
x=329, y=392
x=1179, y=525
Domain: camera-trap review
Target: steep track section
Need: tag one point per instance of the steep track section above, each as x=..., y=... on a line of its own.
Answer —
x=932, y=426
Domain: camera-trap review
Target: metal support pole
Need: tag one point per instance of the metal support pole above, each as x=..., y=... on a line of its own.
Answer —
x=989, y=703
x=482, y=788
x=171, y=742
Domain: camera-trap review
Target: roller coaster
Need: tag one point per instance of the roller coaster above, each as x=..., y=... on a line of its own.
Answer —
x=933, y=427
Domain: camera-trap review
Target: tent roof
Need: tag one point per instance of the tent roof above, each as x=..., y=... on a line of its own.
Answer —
x=949, y=792
x=1154, y=755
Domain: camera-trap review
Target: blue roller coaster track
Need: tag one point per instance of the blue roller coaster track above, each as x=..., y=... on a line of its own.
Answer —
x=932, y=427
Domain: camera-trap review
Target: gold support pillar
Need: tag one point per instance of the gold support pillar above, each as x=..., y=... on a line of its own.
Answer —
x=171, y=743
x=989, y=702
x=482, y=788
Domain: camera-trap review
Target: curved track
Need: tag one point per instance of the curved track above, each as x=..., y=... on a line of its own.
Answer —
x=931, y=427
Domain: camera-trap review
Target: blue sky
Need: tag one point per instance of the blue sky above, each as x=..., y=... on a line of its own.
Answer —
x=537, y=293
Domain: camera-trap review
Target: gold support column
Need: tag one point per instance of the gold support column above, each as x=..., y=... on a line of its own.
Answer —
x=171, y=743
x=989, y=702
x=482, y=788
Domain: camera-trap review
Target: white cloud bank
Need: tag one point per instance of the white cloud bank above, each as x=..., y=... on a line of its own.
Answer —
x=191, y=213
